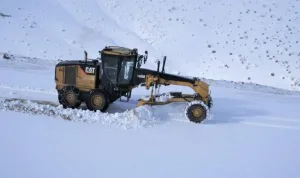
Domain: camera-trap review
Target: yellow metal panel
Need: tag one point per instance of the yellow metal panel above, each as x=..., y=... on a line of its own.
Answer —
x=84, y=81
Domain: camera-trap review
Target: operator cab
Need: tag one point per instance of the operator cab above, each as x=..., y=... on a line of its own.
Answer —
x=119, y=64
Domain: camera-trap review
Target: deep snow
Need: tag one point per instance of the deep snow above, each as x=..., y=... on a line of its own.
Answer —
x=36, y=146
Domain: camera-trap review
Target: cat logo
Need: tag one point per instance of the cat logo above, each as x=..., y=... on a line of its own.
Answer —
x=90, y=70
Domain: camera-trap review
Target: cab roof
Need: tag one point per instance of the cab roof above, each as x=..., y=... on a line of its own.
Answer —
x=119, y=50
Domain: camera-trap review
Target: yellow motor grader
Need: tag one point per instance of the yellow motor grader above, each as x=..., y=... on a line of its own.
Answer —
x=100, y=82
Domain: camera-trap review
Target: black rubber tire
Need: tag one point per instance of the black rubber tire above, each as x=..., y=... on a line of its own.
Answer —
x=69, y=90
x=104, y=101
x=196, y=118
x=59, y=97
x=210, y=102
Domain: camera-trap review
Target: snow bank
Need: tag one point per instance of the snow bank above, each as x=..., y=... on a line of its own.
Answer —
x=136, y=118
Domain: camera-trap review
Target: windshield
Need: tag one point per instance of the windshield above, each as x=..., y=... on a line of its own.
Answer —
x=126, y=71
x=110, y=68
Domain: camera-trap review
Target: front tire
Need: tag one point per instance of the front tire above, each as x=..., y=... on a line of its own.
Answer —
x=97, y=101
x=196, y=112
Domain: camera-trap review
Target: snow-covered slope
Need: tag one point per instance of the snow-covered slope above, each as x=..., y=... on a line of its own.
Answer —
x=250, y=41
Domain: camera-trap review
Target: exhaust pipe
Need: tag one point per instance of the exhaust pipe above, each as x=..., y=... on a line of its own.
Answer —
x=85, y=56
x=164, y=63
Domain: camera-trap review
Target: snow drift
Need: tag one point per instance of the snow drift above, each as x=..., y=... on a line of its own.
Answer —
x=136, y=118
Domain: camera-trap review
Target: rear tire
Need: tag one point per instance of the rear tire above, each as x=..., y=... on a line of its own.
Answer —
x=196, y=112
x=97, y=101
x=69, y=97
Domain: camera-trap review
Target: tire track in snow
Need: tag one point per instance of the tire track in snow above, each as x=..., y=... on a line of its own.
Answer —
x=281, y=119
x=271, y=125
x=28, y=89
x=281, y=125
x=284, y=123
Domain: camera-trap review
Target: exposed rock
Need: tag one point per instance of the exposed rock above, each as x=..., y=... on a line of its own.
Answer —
x=6, y=56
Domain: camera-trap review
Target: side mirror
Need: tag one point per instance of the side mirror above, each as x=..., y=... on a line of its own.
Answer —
x=146, y=56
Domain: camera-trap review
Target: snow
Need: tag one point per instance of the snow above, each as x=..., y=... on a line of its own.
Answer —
x=252, y=131
x=140, y=117
x=253, y=127
x=242, y=140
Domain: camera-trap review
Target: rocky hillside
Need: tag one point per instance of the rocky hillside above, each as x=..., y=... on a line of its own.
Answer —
x=249, y=41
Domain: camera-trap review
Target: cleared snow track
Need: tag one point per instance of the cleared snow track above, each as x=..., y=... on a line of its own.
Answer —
x=136, y=118
x=27, y=89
